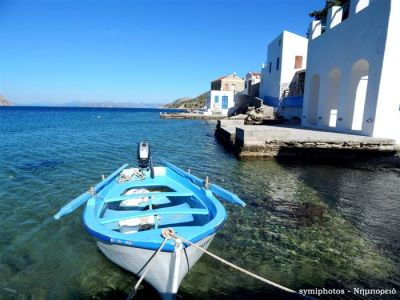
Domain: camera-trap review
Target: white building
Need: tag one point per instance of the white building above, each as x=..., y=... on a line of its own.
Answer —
x=222, y=94
x=220, y=102
x=283, y=72
x=252, y=84
x=352, y=70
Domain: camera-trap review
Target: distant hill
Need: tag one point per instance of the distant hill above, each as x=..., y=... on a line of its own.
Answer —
x=109, y=104
x=5, y=102
x=189, y=103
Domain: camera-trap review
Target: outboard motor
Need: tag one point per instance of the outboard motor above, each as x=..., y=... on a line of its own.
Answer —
x=143, y=155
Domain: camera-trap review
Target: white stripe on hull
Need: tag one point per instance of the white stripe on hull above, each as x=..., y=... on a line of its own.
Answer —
x=162, y=270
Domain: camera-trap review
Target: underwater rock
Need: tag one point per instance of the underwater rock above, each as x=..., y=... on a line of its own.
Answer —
x=304, y=213
x=36, y=165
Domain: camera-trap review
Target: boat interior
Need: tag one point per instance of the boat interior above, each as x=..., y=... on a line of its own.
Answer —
x=147, y=204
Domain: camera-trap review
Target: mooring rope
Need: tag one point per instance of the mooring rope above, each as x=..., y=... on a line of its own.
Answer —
x=169, y=233
x=149, y=263
x=220, y=259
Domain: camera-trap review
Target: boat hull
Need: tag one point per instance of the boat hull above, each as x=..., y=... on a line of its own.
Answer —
x=163, y=274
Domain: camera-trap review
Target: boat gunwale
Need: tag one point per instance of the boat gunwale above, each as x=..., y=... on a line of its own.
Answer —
x=97, y=230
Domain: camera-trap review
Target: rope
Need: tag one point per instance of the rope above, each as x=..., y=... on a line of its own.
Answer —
x=220, y=259
x=169, y=233
x=166, y=236
x=137, y=175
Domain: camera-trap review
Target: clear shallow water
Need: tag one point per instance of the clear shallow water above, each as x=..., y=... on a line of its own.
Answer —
x=305, y=225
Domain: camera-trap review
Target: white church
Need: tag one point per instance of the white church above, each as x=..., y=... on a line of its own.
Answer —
x=352, y=70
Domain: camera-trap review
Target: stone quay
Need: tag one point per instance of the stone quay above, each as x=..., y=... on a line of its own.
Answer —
x=297, y=141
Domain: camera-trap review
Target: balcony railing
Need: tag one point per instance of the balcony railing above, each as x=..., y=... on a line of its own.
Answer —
x=291, y=89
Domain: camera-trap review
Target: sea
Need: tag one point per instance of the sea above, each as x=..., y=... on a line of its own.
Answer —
x=323, y=227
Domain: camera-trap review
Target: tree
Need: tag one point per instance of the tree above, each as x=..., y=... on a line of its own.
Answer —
x=322, y=14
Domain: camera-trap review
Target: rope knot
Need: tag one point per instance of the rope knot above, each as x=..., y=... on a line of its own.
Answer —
x=168, y=233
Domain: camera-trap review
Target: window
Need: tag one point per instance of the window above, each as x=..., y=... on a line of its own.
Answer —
x=224, y=102
x=280, y=42
x=270, y=66
x=216, y=99
x=298, y=62
x=277, y=63
x=245, y=84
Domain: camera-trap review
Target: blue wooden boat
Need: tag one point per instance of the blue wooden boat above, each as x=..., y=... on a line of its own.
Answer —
x=127, y=211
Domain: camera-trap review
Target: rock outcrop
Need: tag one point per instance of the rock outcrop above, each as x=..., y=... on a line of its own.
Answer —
x=4, y=101
x=189, y=103
x=258, y=115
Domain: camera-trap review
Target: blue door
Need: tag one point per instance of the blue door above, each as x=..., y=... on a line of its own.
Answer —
x=224, y=102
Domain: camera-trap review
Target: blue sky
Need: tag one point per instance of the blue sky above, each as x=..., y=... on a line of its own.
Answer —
x=135, y=51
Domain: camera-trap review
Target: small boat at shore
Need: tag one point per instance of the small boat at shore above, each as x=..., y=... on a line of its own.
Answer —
x=129, y=212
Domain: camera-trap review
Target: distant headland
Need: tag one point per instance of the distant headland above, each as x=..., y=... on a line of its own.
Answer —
x=182, y=103
x=189, y=103
x=5, y=102
x=104, y=104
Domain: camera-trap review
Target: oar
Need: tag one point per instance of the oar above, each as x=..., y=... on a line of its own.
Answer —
x=74, y=204
x=226, y=195
x=215, y=189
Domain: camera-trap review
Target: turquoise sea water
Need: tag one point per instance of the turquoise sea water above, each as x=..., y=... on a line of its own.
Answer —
x=305, y=225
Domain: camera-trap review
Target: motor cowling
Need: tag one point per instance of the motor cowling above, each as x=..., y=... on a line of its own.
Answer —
x=143, y=155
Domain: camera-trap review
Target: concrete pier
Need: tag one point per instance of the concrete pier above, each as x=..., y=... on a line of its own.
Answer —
x=285, y=140
x=191, y=116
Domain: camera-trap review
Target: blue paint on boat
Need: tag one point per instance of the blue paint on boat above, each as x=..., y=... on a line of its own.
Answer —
x=217, y=190
x=74, y=204
x=187, y=206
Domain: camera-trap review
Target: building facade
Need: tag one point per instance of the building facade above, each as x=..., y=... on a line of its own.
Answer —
x=221, y=96
x=252, y=84
x=282, y=75
x=352, y=70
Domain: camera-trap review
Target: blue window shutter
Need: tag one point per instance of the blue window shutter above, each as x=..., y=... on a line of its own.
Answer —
x=216, y=99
